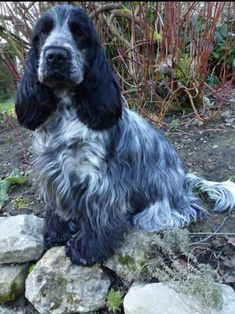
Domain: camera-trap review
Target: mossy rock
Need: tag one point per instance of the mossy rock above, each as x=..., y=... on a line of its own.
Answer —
x=12, y=282
x=14, y=292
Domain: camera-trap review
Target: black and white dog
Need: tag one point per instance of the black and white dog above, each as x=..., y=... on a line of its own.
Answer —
x=101, y=168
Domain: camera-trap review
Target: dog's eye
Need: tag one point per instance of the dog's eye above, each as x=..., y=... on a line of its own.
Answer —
x=76, y=30
x=47, y=27
x=45, y=31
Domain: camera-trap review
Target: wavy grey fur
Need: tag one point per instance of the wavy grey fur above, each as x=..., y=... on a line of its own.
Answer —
x=127, y=173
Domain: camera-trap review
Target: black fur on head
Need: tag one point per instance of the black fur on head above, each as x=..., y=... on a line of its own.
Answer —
x=34, y=101
x=98, y=96
x=86, y=73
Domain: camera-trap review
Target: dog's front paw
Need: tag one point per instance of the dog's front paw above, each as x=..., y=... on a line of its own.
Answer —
x=80, y=259
x=51, y=241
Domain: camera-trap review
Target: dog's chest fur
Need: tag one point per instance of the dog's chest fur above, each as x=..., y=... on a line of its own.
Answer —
x=69, y=157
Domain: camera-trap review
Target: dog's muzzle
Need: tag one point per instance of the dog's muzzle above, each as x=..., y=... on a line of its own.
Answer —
x=56, y=66
x=56, y=57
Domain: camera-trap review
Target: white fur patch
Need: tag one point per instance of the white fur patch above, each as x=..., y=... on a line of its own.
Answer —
x=222, y=193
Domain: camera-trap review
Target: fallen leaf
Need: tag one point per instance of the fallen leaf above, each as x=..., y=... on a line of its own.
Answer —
x=16, y=177
x=175, y=123
x=230, y=262
x=231, y=240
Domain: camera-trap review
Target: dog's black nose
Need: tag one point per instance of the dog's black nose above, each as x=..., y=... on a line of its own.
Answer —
x=56, y=55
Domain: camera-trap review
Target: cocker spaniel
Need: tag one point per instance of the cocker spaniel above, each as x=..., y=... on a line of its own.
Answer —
x=101, y=168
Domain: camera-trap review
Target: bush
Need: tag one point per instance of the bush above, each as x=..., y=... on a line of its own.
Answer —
x=164, y=53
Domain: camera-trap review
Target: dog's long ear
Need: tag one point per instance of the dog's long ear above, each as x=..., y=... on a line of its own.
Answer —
x=98, y=96
x=34, y=101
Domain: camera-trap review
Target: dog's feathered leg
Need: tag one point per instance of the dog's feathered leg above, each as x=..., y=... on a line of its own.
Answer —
x=56, y=231
x=91, y=245
x=221, y=193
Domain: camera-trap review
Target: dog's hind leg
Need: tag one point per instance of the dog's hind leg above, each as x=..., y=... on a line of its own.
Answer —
x=163, y=216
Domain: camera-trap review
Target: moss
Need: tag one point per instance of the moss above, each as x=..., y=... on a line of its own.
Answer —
x=232, y=178
x=14, y=292
x=126, y=260
x=19, y=202
x=31, y=267
x=5, y=298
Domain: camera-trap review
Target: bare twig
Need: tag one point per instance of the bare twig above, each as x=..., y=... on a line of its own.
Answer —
x=11, y=123
x=5, y=33
x=211, y=234
x=117, y=34
x=106, y=7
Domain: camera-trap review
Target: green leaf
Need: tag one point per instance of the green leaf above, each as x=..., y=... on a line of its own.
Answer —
x=224, y=31
x=16, y=177
x=175, y=123
x=157, y=37
x=215, y=54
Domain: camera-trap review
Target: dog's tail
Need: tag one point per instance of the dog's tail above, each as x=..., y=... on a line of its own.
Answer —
x=222, y=194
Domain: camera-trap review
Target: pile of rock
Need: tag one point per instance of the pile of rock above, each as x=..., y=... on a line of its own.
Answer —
x=21, y=239
x=54, y=285
x=21, y=242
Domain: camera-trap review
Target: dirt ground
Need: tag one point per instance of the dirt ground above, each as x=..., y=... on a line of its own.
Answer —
x=206, y=150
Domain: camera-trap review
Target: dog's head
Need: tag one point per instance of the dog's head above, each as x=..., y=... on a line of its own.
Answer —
x=66, y=55
x=66, y=41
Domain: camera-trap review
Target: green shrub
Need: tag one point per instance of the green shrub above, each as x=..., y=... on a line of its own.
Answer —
x=114, y=301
